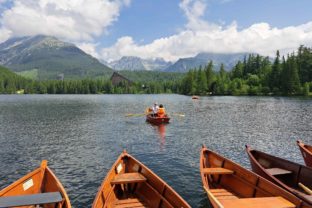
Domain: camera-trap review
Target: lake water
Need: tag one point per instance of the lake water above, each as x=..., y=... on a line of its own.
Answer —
x=81, y=136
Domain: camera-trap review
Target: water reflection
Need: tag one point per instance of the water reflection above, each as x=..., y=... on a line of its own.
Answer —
x=161, y=131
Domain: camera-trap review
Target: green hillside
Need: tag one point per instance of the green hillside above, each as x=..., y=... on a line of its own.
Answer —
x=10, y=82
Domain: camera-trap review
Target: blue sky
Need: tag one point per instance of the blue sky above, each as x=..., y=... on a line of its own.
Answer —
x=170, y=29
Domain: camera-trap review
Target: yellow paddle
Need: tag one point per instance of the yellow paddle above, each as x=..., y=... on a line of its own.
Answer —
x=306, y=189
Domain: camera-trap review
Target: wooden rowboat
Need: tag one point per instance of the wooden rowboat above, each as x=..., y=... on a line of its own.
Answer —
x=282, y=172
x=157, y=120
x=194, y=97
x=229, y=185
x=306, y=151
x=39, y=187
x=131, y=184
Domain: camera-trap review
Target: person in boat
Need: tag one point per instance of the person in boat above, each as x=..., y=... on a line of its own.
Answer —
x=155, y=109
x=161, y=111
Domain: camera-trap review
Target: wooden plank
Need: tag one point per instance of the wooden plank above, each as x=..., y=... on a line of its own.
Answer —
x=278, y=171
x=30, y=199
x=128, y=178
x=217, y=171
x=131, y=202
x=267, y=202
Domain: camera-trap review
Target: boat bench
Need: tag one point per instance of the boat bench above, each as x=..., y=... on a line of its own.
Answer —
x=30, y=199
x=278, y=171
x=267, y=202
x=217, y=171
x=124, y=178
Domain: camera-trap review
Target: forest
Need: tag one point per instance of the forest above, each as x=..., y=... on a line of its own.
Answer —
x=255, y=75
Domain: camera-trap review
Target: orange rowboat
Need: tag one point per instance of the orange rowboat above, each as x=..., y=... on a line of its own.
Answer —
x=39, y=187
x=157, y=120
x=288, y=175
x=306, y=151
x=131, y=184
x=229, y=185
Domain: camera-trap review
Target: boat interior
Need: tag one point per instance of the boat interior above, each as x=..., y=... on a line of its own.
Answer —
x=287, y=172
x=37, y=189
x=230, y=185
x=130, y=184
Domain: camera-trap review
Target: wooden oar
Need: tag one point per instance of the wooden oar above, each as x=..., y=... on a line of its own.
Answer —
x=177, y=114
x=306, y=189
x=135, y=114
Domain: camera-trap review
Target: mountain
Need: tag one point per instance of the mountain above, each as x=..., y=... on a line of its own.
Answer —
x=133, y=63
x=202, y=59
x=46, y=57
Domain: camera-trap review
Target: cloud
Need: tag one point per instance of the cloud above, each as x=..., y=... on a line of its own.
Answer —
x=73, y=20
x=199, y=35
x=89, y=48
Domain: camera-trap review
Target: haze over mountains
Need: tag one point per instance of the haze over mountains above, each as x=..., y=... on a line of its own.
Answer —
x=45, y=57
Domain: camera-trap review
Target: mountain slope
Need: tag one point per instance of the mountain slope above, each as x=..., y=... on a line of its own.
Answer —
x=202, y=59
x=133, y=63
x=51, y=57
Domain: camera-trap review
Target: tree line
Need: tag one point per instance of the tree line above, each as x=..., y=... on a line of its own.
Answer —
x=255, y=75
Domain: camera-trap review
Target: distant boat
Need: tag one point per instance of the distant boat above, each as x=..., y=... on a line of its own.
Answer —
x=282, y=172
x=306, y=151
x=229, y=185
x=194, y=97
x=157, y=120
x=129, y=183
x=39, y=187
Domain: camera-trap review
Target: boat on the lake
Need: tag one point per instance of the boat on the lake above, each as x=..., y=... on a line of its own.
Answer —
x=37, y=188
x=155, y=119
x=306, y=151
x=129, y=183
x=291, y=176
x=194, y=97
x=229, y=185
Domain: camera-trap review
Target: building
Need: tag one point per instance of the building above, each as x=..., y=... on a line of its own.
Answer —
x=117, y=78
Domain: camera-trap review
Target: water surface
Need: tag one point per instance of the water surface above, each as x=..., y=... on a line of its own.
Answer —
x=81, y=136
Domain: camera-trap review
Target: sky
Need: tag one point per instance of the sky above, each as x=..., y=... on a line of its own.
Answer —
x=168, y=29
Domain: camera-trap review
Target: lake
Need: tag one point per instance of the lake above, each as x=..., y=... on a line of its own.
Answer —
x=81, y=136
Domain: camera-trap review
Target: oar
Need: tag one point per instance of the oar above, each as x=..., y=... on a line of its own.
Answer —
x=135, y=114
x=306, y=189
x=178, y=114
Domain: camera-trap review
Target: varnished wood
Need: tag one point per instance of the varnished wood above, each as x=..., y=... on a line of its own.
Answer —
x=261, y=164
x=41, y=180
x=306, y=151
x=263, y=202
x=217, y=171
x=242, y=188
x=157, y=120
x=278, y=171
x=131, y=184
x=125, y=178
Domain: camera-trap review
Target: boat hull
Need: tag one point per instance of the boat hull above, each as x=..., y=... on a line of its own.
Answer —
x=228, y=184
x=41, y=180
x=129, y=181
x=306, y=151
x=283, y=173
x=157, y=120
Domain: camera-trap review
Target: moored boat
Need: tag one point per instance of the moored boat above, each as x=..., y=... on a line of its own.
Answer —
x=157, y=120
x=194, y=97
x=291, y=176
x=131, y=184
x=306, y=151
x=229, y=185
x=39, y=187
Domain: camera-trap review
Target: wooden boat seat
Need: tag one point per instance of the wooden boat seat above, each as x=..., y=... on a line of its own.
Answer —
x=278, y=171
x=223, y=194
x=267, y=202
x=131, y=202
x=217, y=171
x=30, y=199
x=128, y=178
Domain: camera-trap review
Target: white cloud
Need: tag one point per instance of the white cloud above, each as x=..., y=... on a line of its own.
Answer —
x=73, y=20
x=89, y=48
x=202, y=36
